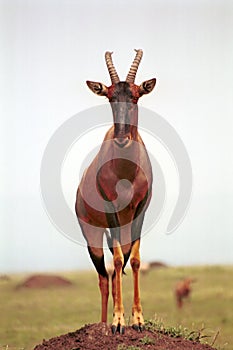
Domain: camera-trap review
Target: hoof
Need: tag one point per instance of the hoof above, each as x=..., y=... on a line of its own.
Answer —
x=142, y=327
x=135, y=327
x=138, y=327
x=120, y=329
x=114, y=329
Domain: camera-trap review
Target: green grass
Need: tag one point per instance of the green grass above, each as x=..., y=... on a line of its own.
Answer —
x=29, y=316
x=175, y=331
x=147, y=341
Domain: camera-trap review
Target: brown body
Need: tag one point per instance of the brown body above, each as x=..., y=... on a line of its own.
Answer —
x=183, y=290
x=115, y=191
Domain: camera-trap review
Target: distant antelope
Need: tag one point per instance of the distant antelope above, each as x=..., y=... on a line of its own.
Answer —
x=121, y=174
x=183, y=290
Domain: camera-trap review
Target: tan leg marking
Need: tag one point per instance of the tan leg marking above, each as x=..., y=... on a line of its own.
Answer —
x=138, y=321
x=118, y=316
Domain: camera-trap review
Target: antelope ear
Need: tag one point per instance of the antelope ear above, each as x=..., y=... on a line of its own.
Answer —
x=98, y=88
x=147, y=86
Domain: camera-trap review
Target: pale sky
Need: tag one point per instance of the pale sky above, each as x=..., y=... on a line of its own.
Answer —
x=50, y=48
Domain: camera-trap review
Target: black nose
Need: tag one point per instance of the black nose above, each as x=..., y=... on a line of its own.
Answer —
x=121, y=141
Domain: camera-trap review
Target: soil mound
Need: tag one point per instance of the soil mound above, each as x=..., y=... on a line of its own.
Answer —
x=44, y=281
x=98, y=336
x=157, y=264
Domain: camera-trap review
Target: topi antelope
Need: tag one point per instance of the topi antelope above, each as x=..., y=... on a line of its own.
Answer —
x=115, y=191
x=183, y=290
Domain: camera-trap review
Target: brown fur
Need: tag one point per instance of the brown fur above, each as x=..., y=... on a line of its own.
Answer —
x=122, y=156
x=183, y=290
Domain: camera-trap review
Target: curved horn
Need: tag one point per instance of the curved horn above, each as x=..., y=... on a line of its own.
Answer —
x=134, y=67
x=111, y=69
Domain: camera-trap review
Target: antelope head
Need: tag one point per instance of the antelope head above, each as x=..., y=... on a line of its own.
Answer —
x=123, y=97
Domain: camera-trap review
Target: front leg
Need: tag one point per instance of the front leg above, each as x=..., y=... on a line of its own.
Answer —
x=118, y=323
x=138, y=321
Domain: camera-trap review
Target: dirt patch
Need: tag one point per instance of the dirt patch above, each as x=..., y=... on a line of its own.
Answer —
x=4, y=278
x=44, y=281
x=157, y=264
x=98, y=336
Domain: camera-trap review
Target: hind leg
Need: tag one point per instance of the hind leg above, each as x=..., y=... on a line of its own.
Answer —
x=94, y=238
x=118, y=323
x=121, y=247
x=138, y=321
x=97, y=257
